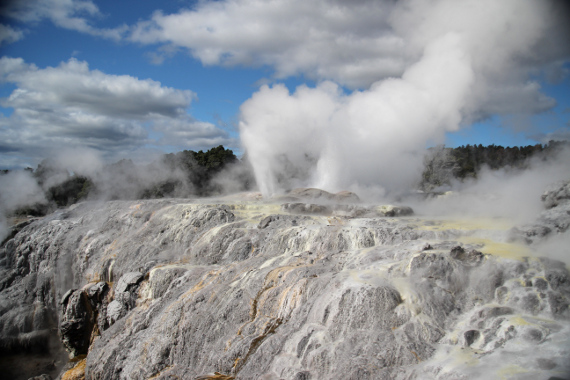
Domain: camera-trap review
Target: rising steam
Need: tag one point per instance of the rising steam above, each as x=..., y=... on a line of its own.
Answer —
x=471, y=59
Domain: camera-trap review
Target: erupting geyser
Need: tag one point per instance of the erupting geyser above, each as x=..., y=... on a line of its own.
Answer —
x=455, y=62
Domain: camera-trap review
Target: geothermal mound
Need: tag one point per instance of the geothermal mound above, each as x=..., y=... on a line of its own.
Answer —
x=314, y=286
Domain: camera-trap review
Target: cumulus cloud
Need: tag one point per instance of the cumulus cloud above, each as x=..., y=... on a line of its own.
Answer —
x=69, y=14
x=350, y=42
x=464, y=60
x=73, y=85
x=73, y=106
x=353, y=43
x=186, y=131
x=9, y=34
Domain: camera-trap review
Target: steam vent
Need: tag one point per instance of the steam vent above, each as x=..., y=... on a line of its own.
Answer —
x=310, y=285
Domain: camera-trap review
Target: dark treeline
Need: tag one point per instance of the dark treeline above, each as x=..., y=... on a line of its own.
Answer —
x=183, y=174
x=443, y=165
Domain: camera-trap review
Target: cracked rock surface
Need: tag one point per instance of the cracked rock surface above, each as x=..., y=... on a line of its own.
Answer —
x=168, y=289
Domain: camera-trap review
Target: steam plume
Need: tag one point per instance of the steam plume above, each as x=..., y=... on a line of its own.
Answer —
x=473, y=60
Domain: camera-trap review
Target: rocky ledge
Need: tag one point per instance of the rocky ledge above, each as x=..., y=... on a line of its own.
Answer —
x=297, y=289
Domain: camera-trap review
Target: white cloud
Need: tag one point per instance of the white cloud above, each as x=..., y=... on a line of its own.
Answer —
x=72, y=106
x=186, y=131
x=74, y=86
x=356, y=43
x=163, y=53
x=9, y=35
x=69, y=14
x=351, y=42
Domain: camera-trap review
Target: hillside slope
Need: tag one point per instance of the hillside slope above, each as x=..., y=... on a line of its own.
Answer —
x=297, y=288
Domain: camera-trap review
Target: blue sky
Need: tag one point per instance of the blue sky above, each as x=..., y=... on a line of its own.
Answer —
x=205, y=59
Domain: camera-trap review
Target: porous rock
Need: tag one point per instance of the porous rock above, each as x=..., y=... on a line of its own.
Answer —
x=306, y=208
x=554, y=220
x=556, y=194
x=77, y=323
x=390, y=210
x=312, y=194
x=207, y=290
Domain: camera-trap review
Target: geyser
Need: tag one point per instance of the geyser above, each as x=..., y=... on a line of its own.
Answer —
x=464, y=61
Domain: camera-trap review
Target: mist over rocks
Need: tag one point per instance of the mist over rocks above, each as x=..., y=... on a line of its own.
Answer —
x=551, y=222
x=344, y=203
x=444, y=167
x=556, y=194
x=324, y=196
x=248, y=289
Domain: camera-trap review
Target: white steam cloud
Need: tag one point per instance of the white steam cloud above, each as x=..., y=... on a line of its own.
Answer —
x=474, y=59
x=509, y=193
x=17, y=189
x=356, y=138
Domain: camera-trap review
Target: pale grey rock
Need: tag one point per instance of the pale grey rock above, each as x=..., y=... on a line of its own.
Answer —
x=160, y=279
x=41, y=377
x=391, y=210
x=115, y=311
x=126, y=289
x=283, y=220
x=312, y=194
x=346, y=197
x=128, y=281
x=306, y=209
x=97, y=293
x=556, y=194
x=66, y=296
x=346, y=210
x=472, y=257
x=552, y=221
x=170, y=289
x=351, y=211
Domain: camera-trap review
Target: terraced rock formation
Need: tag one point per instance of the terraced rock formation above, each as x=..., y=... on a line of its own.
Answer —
x=293, y=289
